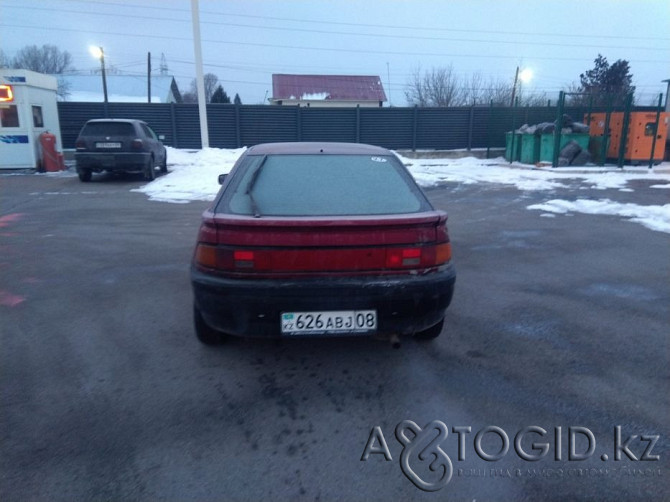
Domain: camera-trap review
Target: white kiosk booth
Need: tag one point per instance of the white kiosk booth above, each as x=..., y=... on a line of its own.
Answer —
x=28, y=108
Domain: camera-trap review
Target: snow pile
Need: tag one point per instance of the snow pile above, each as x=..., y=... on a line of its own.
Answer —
x=193, y=175
x=315, y=96
x=653, y=217
x=430, y=172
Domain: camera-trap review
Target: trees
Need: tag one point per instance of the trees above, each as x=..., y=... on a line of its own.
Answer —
x=211, y=82
x=46, y=59
x=4, y=60
x=443, y=87
x=606, y=84
x=237, y=100
x=220, y=96
x=435, y=87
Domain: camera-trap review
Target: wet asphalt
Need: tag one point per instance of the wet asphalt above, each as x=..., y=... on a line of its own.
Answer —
x=557, y=322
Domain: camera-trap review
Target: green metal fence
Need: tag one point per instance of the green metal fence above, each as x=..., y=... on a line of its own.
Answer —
x=233, y=126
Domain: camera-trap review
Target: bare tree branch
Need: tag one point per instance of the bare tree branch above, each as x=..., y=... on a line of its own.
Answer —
x=46, y=59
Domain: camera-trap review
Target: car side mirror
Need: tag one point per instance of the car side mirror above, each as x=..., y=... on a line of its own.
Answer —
x=222, y=178
x=161, y=137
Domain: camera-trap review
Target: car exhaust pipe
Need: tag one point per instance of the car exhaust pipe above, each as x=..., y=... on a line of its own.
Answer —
x=395, y=341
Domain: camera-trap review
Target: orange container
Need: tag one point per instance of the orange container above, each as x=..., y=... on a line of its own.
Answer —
x=641, y=134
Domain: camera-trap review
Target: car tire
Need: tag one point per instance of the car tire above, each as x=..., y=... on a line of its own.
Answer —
x=84, y=175
x=149, y=170
x=205, y=333
x=430, y=333
x=164, y=164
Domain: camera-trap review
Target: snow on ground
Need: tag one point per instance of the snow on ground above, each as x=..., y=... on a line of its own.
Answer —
x=193, y=176
x=653, y=217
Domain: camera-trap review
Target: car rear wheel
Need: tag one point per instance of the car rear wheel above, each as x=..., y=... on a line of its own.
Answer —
x=84, y=175
x=164, y=164
x=149, y=171
x=430, y=333
x=205, y=333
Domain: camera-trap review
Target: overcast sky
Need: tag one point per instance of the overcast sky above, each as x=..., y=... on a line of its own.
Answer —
x=245, y=42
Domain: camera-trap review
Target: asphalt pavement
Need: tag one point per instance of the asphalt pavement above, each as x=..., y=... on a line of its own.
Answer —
x=557, y=335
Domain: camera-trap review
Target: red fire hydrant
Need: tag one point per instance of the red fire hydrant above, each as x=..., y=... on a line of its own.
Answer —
x=51, y=159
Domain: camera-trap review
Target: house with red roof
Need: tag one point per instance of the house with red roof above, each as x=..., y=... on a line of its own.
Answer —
x=327, y=90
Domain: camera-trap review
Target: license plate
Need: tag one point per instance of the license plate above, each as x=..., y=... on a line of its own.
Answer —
x=108, y=145
x=329, y=322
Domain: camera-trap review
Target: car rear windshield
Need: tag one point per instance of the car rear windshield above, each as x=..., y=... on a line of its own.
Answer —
x=322, y=185
x=108, y=129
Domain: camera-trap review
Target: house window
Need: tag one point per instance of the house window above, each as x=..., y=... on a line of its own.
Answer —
x=38, y=121
x=9, y=116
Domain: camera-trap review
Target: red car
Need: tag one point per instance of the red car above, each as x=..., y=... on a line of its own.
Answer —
x=321, y=239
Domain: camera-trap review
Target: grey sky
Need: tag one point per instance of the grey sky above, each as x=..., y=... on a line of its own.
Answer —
x=244, y=42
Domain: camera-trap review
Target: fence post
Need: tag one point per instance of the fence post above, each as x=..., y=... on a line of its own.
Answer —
x=656, y=135
x=624, y=129
x=238, y=132
x=173, y=120
x=358, y=123
x=470, y=126
x=488, y=131
x=298, y=123
x=558, y=126
x=604, y=149
x=415, y=122
x=512, y=151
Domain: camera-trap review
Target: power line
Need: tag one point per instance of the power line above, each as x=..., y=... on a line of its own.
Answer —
x=326, y=49
x=369, y=25
x=367, y=34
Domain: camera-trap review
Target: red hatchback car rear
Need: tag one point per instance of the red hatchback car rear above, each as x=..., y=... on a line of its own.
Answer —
x=321, y=239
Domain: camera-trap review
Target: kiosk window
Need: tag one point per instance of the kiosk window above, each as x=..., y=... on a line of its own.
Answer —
x=38, y=121
x=9, y=116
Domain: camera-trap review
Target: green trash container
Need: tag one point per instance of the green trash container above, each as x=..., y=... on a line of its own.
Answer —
x=512, y=146
x=530, y=149
x=547, y=144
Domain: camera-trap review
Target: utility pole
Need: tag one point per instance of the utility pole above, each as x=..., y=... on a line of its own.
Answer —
x=163, y=66
x=149, y=76
x=516, y=79
x=388, y=74
x=200, y=81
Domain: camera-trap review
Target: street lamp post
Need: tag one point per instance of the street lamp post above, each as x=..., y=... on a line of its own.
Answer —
x=99, y=53
x=525, y=76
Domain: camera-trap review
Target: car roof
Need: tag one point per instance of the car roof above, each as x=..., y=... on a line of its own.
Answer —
x=311, y=148
x=128, y=121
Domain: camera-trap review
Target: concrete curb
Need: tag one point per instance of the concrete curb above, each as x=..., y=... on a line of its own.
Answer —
x=663, y=168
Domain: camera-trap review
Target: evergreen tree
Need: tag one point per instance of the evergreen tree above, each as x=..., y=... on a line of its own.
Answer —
x=237, y=99
x=607, y=83
x=220, y=96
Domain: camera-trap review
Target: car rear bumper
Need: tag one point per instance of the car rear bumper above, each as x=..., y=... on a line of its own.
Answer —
x=404, y=304
x=111, y=161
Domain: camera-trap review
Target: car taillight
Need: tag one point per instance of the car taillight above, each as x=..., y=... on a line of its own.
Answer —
x=243, y=259
x=80, y=144
x=442, y=253
x=418, y=257
x=284, y=260
x=405, y=257
x=137, y=144
x=206, y=256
